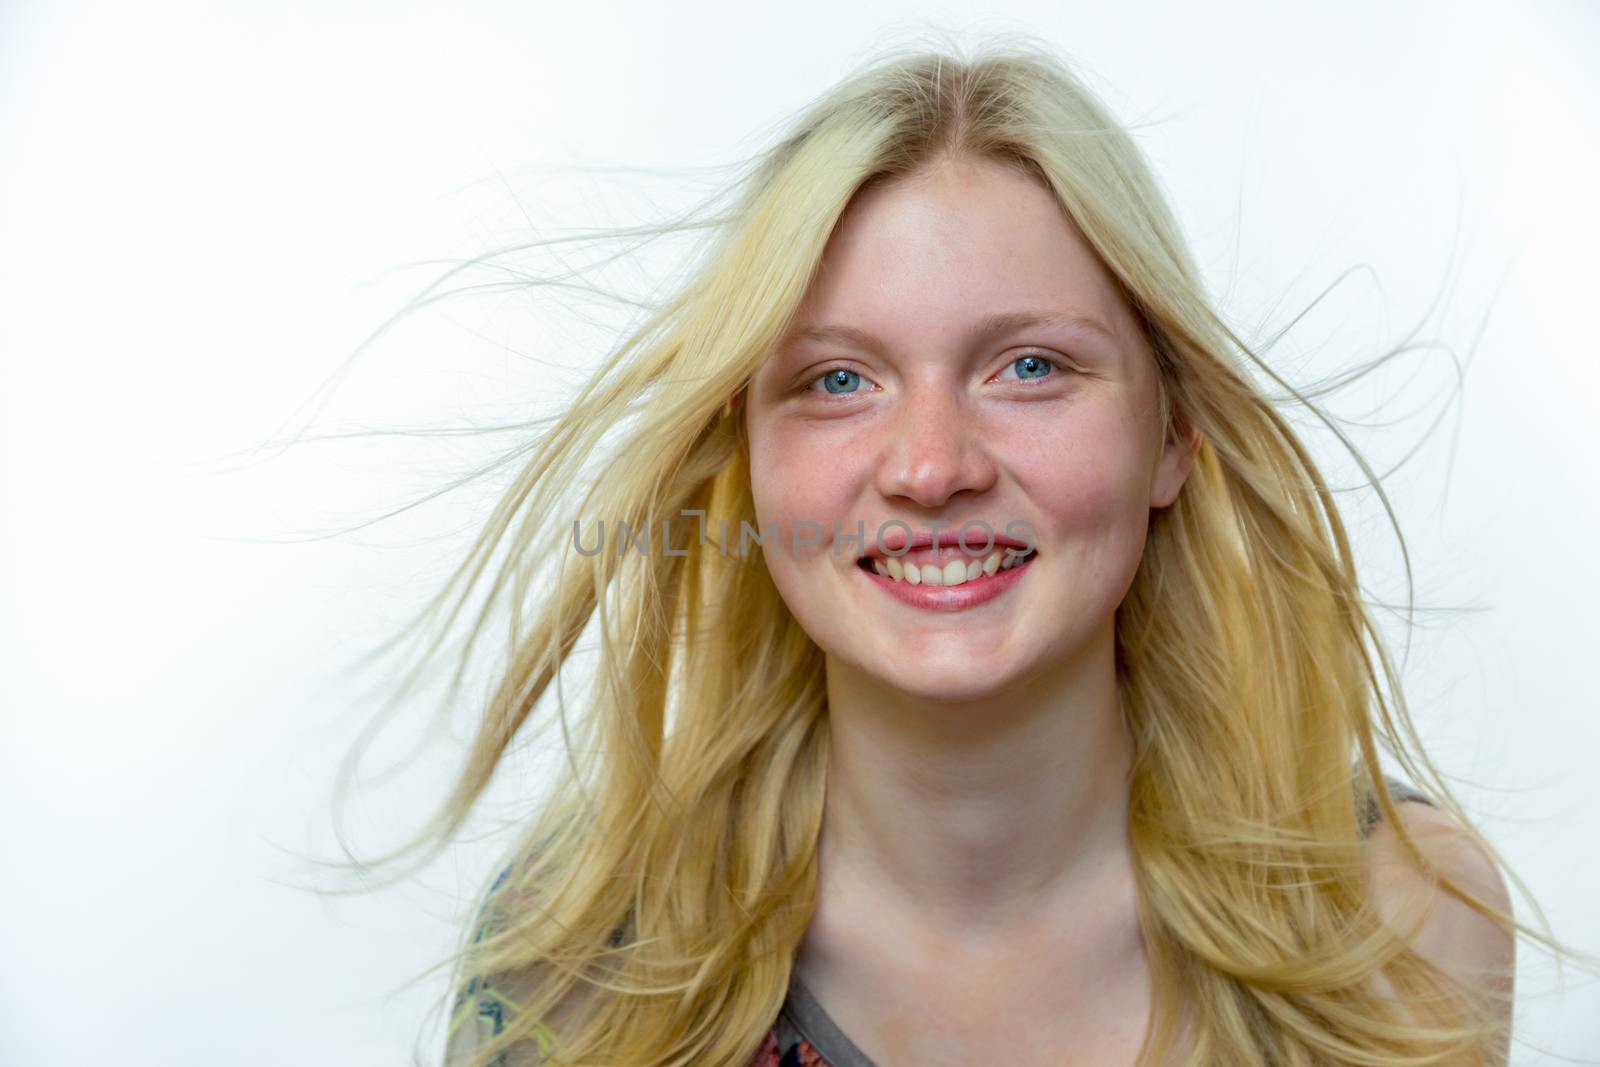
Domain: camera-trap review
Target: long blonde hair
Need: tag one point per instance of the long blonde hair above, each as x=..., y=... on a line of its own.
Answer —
x=651, y=909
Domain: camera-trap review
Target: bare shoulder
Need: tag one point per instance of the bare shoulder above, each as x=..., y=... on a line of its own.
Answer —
x=1447, y=931
x=1451, y=930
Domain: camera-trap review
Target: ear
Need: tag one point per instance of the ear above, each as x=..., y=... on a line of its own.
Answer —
x=1177, y=458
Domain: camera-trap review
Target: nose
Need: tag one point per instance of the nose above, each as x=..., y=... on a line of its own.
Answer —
x=934, y=449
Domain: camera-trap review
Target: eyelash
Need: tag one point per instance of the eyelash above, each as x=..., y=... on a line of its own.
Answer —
x=810, y=386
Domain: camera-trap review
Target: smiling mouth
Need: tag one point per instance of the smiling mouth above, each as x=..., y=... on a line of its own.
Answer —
x=957, y=570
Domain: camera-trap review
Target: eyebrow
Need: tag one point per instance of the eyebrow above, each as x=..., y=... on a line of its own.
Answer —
x=990, y=326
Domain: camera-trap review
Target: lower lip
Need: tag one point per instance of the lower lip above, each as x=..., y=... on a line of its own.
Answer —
x=980, y=590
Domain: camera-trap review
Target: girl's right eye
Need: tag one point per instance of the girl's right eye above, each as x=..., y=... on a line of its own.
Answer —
x=838, y=381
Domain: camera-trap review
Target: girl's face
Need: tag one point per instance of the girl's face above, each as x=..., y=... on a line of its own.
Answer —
x=962, y=358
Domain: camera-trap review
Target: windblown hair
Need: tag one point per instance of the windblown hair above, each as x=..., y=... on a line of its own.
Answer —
x=653, y=906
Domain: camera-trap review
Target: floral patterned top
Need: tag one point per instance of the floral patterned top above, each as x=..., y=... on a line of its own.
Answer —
x=803, y=1034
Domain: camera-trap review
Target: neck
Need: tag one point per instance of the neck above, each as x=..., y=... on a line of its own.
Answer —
x=975, y=816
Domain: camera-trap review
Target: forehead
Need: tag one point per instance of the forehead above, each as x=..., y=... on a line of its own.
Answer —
x=992, y=325
x=959, y=247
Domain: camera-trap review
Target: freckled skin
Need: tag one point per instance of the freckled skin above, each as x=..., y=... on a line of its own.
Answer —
x=942, y=426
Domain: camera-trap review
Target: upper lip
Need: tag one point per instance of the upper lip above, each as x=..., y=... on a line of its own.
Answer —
x=895, y=539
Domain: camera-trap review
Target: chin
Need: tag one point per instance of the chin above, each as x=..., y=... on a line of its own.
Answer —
x=957, y=684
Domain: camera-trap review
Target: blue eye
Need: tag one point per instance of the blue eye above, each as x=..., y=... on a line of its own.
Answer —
x=840, y=380
x=1031, y=368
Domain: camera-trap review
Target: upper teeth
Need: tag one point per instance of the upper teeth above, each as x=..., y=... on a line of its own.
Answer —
x=952, y=573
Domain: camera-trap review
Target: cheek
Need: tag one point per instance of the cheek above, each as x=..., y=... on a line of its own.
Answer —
x=791, y=482
x=799, y=475
x=1086, y=480
x=1080, y=491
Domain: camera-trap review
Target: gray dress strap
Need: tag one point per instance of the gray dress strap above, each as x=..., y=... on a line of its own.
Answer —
x=1399, y=792
x=802, y=1018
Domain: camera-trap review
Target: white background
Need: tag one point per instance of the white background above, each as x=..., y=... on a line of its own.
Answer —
x=198, y=205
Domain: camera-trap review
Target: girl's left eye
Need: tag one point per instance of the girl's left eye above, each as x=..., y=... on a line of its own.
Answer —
x=1032, y=367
